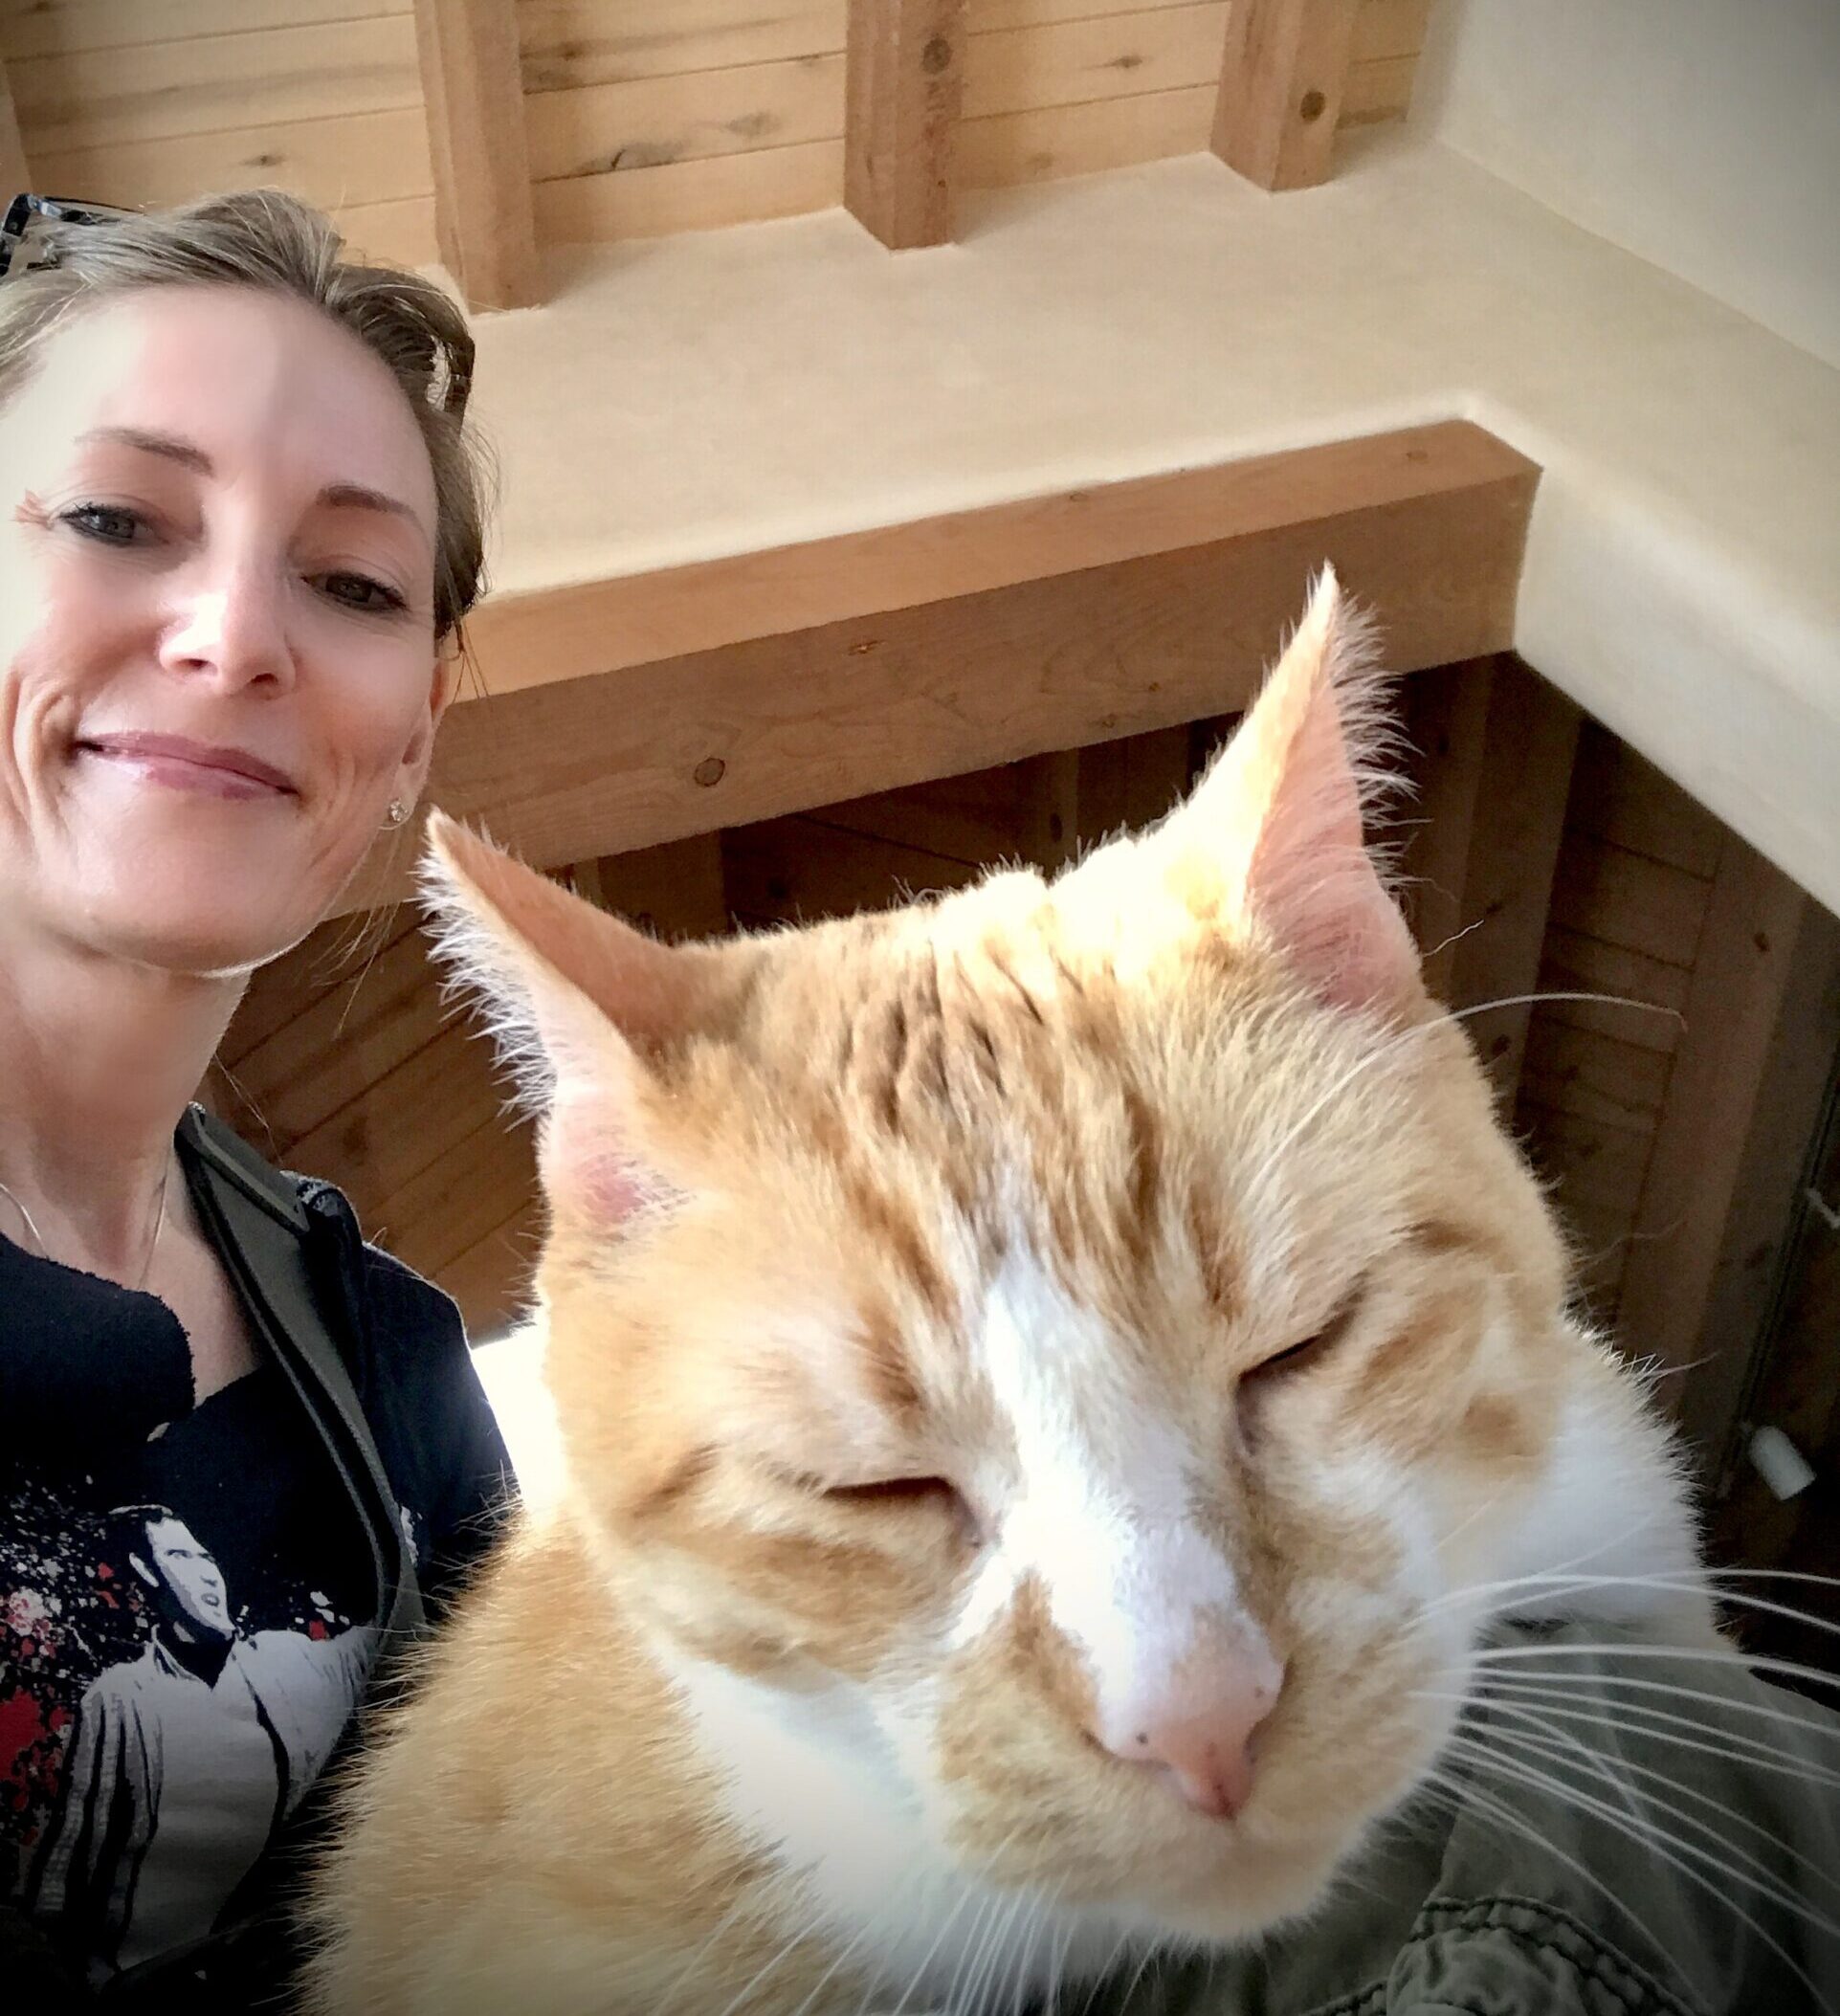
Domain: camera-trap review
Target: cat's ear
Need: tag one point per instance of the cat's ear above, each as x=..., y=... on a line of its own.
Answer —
x=1270, y=840
x=577, y=1002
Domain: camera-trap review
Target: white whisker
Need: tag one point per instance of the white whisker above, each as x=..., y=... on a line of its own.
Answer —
x=1517, y=1771
x=1559, y=1744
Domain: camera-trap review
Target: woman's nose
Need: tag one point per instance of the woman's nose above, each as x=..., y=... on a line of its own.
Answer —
x=231, y=626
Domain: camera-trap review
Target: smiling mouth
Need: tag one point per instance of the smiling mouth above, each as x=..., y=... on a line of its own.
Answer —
x=183, y=765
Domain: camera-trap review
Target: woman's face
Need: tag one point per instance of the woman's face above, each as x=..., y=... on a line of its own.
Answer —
x=218, y=661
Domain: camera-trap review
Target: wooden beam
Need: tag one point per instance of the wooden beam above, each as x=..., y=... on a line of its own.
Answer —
x=473, y=85
x=14, y=177
x=1498, y=745
x=904, y=82
x=780, y=723
x=1282, y=80
x=1763, y=1020
x=525, y=640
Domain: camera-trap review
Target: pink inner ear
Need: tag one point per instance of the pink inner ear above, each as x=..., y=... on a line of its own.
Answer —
x=1311, y=880
x=586, y=1166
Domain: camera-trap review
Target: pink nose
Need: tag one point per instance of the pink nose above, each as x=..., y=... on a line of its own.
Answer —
x=1200, y=1730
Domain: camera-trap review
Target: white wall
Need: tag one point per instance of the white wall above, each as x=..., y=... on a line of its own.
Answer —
x=1703, y=134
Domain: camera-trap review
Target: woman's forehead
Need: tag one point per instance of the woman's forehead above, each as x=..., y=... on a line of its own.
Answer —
x=247, y=380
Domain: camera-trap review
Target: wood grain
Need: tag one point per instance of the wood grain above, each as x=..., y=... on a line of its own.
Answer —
x=372, y=157
x=903, y=93
x=1281, y=86
x=1762, y=1022
x=1575, y=963
x=1486, y=856
x=1653, y=907
x=616, y=128
x=690, y=195
x=567, y=44
x=468, y=52
x=208, y=83
x=1077, y=140
x=782, y=722
x=1077, y=62
x=675, y=890
x=395, y=233
x=636, y=619
x=13, y=175
x=43, y=27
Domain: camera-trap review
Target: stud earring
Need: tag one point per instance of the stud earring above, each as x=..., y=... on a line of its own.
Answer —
x=397, y=814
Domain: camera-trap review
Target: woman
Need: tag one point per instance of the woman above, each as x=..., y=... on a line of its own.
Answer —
x=241, y=528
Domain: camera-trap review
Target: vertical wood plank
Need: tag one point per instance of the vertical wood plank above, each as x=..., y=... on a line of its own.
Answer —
x=1282, y=80
x=1762, y=1018
x=471, y=81
x=1128, y=784
x=14, y=178
x=675, y=890
x=1447, y=719
x=904, y=82
x=1500, y=743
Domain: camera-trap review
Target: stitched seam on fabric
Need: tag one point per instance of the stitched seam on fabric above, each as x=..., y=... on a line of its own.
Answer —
x=1363, y=2002
x=1613, y=1970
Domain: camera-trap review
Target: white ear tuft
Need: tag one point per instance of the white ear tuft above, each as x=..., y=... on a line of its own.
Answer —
x=1271, y=841
x=575, y=1001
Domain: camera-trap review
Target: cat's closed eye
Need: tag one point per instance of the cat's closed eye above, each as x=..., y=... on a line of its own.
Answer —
x=891, y=1494
x=1308, y=1351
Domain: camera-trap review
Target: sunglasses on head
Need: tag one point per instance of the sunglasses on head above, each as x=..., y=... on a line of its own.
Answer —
x=27, y=245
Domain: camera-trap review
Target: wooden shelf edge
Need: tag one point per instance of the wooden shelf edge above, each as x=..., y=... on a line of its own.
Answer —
x=523, y=640
x=1428, y=530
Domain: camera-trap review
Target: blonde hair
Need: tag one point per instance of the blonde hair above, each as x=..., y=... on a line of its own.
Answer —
x=273, y=242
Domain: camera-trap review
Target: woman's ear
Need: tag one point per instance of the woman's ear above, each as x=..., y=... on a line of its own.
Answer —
x=444, y=679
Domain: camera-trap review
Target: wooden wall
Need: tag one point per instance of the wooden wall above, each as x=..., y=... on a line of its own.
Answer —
x=151, y=101
x=643, y=116
x=649, y=116
x=1629, y=901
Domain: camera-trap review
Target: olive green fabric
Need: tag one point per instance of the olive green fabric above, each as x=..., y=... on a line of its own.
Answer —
x=1535, y=1900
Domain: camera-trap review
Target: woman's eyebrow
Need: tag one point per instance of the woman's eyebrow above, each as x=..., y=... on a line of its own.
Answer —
x=170, y=446
x=360, y=496
x=339, y=495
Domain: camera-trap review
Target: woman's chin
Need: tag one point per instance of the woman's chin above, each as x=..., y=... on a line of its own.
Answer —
x=218, y=925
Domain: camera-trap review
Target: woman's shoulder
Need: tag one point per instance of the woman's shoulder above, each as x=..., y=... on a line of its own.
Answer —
x=388, y=1305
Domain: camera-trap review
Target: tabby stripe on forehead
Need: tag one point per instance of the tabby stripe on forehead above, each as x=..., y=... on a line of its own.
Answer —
x=682, y=1477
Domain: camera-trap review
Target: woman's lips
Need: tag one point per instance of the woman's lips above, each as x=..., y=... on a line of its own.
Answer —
x=183, y=765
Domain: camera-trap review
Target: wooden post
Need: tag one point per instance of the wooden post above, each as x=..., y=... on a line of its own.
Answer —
x=474, y=87
x=1281, y=86
x=14, y=178
x=904, y=82
x=1743, y=1098
x=1498, y=744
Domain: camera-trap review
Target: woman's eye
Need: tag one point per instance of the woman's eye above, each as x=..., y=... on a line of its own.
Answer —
x=109, y=524
x=361, y=592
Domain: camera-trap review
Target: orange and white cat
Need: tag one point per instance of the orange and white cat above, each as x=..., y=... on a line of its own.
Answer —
x=1052, y=1383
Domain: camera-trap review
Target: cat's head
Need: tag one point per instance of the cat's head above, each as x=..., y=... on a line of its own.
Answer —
x=1073, y=1356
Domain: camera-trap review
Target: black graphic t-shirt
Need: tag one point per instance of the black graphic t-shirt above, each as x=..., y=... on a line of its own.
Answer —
x=186, y=1618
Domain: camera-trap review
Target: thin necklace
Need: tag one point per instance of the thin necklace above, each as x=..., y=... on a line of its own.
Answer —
x=153, y=1244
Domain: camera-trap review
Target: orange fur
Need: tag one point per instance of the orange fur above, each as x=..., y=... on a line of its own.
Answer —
x=1168, y=1117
